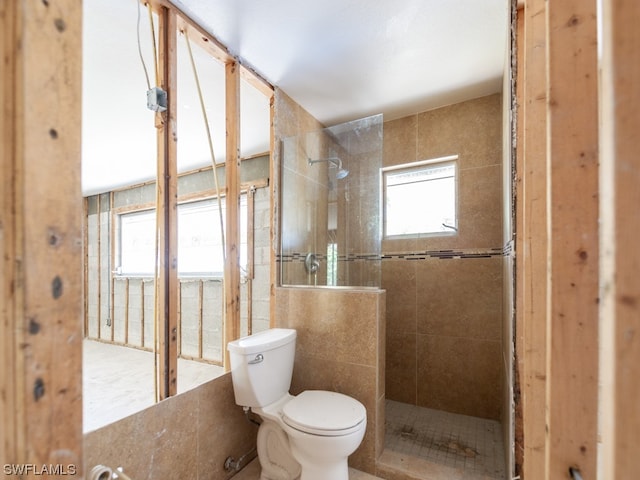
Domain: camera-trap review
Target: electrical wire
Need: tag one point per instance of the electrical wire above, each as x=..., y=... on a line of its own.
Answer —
x=144, y=66
x=211, y=151
x=153, y=42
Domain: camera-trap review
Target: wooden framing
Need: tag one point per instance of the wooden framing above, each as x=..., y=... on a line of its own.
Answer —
x=251, y=205
x=531, y=257
x=558, y=263
x=572, y=145
x=167, y=184
x=274, y=190
x=620, y=223
x=41, y=234
x=99, y=282
x=232, y=246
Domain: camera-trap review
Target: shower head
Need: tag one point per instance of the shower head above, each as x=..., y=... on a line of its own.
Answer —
x=335, y=161
x=342, y=173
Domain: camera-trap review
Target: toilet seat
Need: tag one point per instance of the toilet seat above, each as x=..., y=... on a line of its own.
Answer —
x=323, y=413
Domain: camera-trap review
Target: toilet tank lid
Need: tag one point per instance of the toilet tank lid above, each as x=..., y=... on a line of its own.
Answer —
x=262, y=341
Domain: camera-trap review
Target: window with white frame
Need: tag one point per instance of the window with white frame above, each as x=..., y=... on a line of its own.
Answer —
x=200, y=250
x=420, y=198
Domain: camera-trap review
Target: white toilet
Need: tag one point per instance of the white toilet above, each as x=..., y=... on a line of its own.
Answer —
x=309, y=436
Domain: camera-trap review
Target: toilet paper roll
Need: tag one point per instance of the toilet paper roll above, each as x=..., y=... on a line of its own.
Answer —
x=100, y=472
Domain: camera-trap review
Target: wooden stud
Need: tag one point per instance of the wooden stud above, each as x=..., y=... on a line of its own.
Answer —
x=85, y=278
x=99, y=267
x=620, y=225
x=274, y=214
x=167, y=207
x=179, y=346
x=531, y=258
x=251, y=202
x=572, y=321
x=11, y=364
x=112, y=279
x=126, y=310
x=200, y=315
x=519, y=277
x=232, y=247
x=41, y=233
x=142, y=313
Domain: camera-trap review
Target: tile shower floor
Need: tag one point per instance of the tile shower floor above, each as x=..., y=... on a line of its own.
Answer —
x=472, y=446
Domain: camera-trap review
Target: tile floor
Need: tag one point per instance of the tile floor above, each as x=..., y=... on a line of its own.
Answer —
x=252, y=472
x=467, y=444
x=118, y=381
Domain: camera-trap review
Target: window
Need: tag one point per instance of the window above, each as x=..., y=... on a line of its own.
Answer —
x=199, y=240
x=420, y=198
x=137, y=243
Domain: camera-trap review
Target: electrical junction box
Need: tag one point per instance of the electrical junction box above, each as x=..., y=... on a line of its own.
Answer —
x=157, y=99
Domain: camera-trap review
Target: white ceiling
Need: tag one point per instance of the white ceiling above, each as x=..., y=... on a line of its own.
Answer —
x=339, y=59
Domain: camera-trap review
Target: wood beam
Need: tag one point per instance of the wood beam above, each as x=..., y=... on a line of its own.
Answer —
x=532, y=237
x=41, y=234
x=620, y=223
x=232, y=177
x=274, y=213
x=572, y=321
x=167, y=178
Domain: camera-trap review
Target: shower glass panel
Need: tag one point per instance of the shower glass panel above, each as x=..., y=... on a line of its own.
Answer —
x=330, y=226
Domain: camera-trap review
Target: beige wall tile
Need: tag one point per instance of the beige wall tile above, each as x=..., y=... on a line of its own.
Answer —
x=480, y=208
x=401, y=373
x=461, y=297
x=399, y=280
x=334, y=324
x=400, y=141
x=223, y=430
x=186, y=436
x=470, y=129
x=460, y=375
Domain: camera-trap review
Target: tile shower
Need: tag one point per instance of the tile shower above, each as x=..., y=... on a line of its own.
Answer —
x=444, y=295
x=445, y=299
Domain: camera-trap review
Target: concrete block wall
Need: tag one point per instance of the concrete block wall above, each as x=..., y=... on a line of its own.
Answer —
x=132, y=297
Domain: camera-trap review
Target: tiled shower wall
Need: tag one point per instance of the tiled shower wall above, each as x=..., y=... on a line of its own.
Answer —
x=444, y=293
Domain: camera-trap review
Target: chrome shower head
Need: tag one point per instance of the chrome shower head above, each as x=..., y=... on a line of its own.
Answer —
x=336, y=162
x=342, y=173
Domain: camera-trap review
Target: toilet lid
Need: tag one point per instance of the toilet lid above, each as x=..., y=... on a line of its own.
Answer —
x=324, y=413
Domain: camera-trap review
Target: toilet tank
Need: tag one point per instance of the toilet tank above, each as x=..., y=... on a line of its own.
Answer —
x=262, y=365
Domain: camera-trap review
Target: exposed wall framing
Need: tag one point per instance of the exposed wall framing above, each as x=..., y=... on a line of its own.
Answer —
x=172, y=20
x=531, y=246
x=167, y=204
x=558, y=273
x=232, y=245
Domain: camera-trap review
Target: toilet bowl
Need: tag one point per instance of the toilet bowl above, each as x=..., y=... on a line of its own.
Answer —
x=309, y=436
